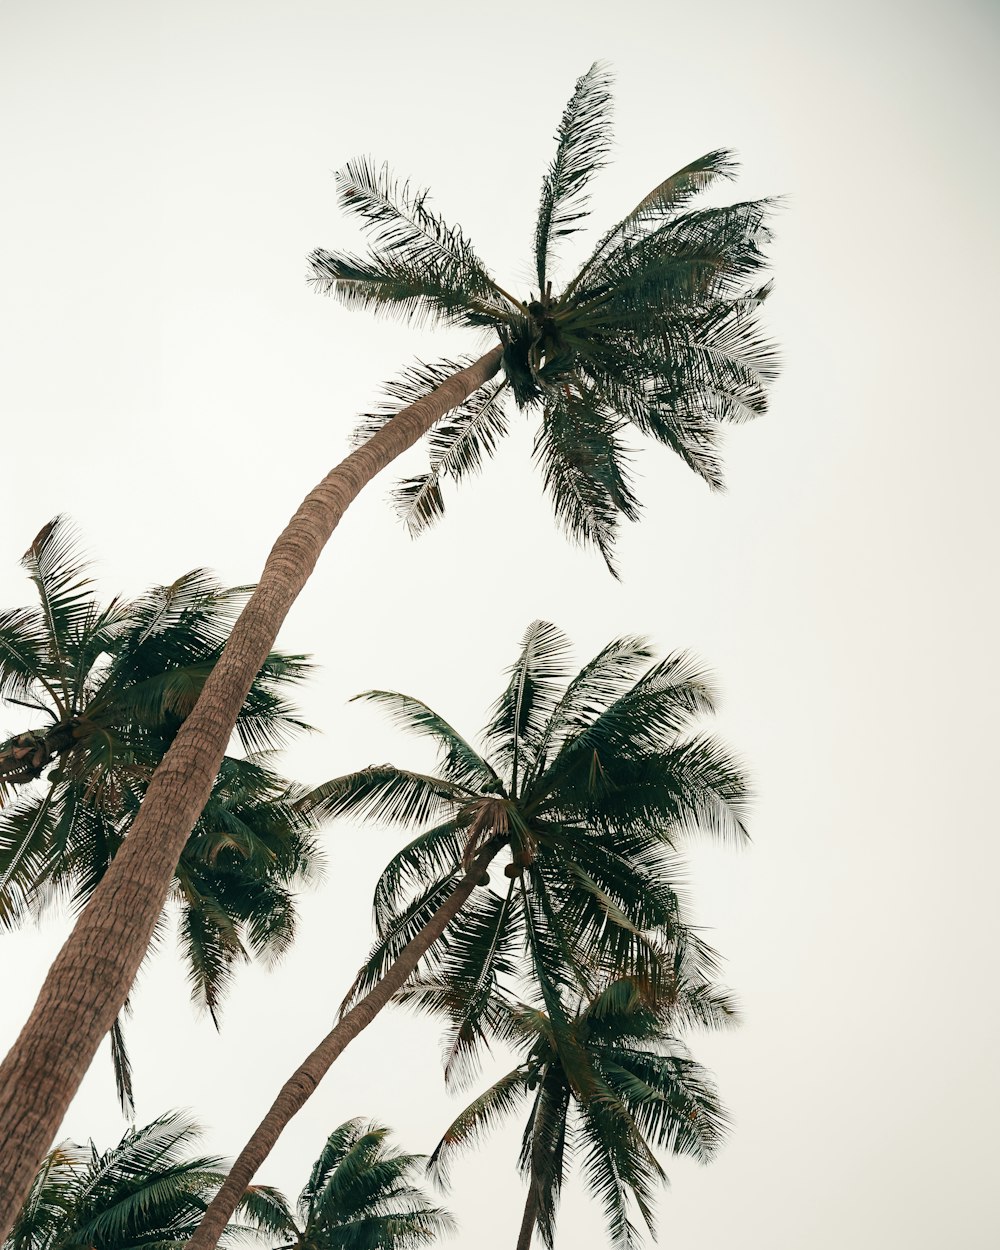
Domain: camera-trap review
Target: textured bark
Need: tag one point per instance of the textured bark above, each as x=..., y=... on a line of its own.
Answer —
x=295, y=1092
x=529, y=1217
x=93, y=973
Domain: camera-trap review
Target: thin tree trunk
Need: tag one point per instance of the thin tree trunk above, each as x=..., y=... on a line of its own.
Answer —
x=529, y=1218
x=299, y=1087
x=93, y=973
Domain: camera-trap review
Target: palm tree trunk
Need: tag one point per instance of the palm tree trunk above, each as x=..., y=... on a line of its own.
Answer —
x=529, y=1217
x=93, y=972
x=299, y=1087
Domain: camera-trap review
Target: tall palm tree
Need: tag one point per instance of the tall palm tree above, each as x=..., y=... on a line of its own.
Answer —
x=656, y=330
x=106, y=687
x=360, y=1196
x=586, y=785
x=625, y=1088
x=146, y=1193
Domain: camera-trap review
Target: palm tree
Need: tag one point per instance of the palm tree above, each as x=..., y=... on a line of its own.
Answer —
x=107, y=687
x=656, y=330
x=147, y=1192
x=360, y=1196
x=587, y=786
x=625, y=1088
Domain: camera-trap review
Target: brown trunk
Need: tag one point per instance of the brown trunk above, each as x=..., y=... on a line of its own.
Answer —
x=529, y=1217
x=93, y=972
x=299, y=1087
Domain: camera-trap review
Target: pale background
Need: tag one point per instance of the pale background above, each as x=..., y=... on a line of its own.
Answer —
x=171, y=383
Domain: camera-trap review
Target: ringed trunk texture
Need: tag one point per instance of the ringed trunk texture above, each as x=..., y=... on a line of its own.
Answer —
x=93, y=973
x=296, y=1091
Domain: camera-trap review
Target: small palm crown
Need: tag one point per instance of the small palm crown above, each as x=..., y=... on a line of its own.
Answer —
x=360, y=1195
x=148, y=1191
x=624, y=1088
x=657, y=330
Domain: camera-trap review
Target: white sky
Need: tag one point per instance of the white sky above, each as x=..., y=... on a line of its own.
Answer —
x=171, y=383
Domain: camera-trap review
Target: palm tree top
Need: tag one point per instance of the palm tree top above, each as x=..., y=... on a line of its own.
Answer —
x=610, y=1087
x=360, y=1195
x=656, y=332
x=146, y=1193
x=587, y=784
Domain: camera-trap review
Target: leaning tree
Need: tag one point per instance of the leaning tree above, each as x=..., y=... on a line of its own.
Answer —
x=657, y=332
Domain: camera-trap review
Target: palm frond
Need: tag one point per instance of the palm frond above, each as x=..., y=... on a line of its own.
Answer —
x=585, y=469
x=461, y=764
x=602, y=680
x=398, y=930
x=59, y=571
x=666, y=199
x=432, y=854
x=583, y=140
x=492, y=1107
x=405, y=229
x=477, y=952
x=26, y=855
x=544, y=1149
x=267, y=1211
x=518, y=718
x=383, y=792
x=22, y=651
x=122, y=1066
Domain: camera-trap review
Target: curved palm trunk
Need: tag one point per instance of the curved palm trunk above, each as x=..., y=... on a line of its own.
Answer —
x=92, y=974
x=298, y=1088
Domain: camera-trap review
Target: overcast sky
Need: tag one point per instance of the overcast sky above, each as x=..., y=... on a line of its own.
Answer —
x=172, y=384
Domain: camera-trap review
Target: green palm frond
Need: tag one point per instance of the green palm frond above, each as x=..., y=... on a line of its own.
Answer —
x=607, y=677
x=583, y=141
x=384, y=792
x=409, y=386
x=145, y=1192
x=518, y=718
x=211, y=947
x=585, y=470
x=476, y=955
x=60, y=574
x=122, y=1065
x=432, y=854
x=461, y=764
x=397, y=930
x=643, y=720
x=419, y=267
x=663, y=202
x=458, y=445
x=26, y=856
x=267, y=1212
x=403, y=228
x=22, y=645
x=491, y=1108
